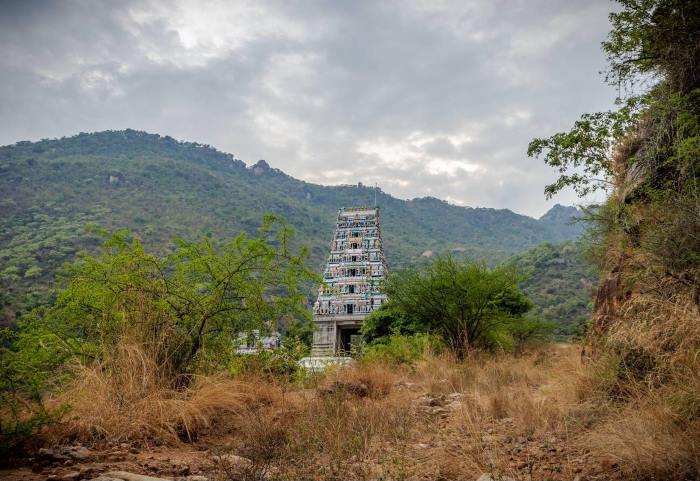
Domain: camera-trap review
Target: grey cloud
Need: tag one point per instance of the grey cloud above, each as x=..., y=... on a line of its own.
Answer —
x=442, y=147
x=423, y=98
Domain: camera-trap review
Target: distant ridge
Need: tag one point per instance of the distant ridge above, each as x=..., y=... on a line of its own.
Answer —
x=162, y=188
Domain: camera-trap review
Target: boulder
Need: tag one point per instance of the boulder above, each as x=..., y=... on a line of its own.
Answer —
x=65, y=453
x=126, y=476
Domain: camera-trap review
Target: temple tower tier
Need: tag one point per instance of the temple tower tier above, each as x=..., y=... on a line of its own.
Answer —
x=352, y=281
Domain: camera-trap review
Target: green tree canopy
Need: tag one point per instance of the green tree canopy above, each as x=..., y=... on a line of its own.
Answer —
x=653, y=55
x=182, y=309
x=466, y=303
x=182, y=313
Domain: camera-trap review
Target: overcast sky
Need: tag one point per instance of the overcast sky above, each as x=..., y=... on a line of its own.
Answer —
x=423, y=98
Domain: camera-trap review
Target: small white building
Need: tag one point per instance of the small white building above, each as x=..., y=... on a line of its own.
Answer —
x=250, y=342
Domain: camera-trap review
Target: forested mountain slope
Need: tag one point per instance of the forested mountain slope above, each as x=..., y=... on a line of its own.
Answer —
x=161, y=188
x=560, y=282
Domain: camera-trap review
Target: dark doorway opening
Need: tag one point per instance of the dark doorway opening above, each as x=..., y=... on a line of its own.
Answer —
x=348, y=337
x=349, y=308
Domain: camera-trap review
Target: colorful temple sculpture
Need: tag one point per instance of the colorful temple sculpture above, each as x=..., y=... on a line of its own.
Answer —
x=352, y=281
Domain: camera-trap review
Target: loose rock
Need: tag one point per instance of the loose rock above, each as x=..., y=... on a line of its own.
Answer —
x=125, y=476
x=455, y=396
x=65, y=453
x=494, y=477
x=233, y=460
x=355, y=388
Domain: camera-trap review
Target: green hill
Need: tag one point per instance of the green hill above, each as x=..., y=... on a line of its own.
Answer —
x=560, y=282
x=161, y=188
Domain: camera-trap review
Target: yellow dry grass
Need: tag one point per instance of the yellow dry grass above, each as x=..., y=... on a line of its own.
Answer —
x=645, y=441
x=542, y=415
x=127, y=398
x=645, y=386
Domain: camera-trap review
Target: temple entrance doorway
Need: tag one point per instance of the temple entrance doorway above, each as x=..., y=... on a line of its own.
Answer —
x=348, y=337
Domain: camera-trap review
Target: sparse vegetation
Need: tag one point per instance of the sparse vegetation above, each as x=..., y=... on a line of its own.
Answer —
x=140, y=325
x=136, y=348
x=525, y=416
x=467, y=304
x=646, y=320
x=161, y=189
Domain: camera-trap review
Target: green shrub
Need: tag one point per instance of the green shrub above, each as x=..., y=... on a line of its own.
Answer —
x=23, y=380
x=529, y=331
x=389, y=320
x=274, y=365
x=467, y=304
x=402, y=349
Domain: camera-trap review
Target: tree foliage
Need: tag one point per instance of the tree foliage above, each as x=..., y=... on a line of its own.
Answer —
x=183, y=311
x=390, y=320
x=469, y=305
x=582, y=156
x=656, y=38
x=162, y=189
x=199, y=296
x=653, y=44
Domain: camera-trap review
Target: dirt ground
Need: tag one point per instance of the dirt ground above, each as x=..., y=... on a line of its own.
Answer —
x=515, y=419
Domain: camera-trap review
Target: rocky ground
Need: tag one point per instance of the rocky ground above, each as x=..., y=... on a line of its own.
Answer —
x=497, y=421
x=533, y=458
x=124, y=463
x=76, y=463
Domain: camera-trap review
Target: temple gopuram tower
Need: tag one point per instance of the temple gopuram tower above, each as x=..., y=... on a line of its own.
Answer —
x=352, y=281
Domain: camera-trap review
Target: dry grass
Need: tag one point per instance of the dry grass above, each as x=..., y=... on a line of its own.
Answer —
x=442, y=420
x=647, y=382
x=324, y=433
x=511, y=410
x=543, y=415
x=645, y=441
x=126, y=398
x=651, y=427
x=361, y=379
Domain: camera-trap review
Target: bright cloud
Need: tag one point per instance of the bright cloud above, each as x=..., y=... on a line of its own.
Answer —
x=422, y=97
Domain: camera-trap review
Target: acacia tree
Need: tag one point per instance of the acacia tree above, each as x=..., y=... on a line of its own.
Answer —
x=182, y=312
x=653, y=56
x=466, y=303
x=180, y=309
